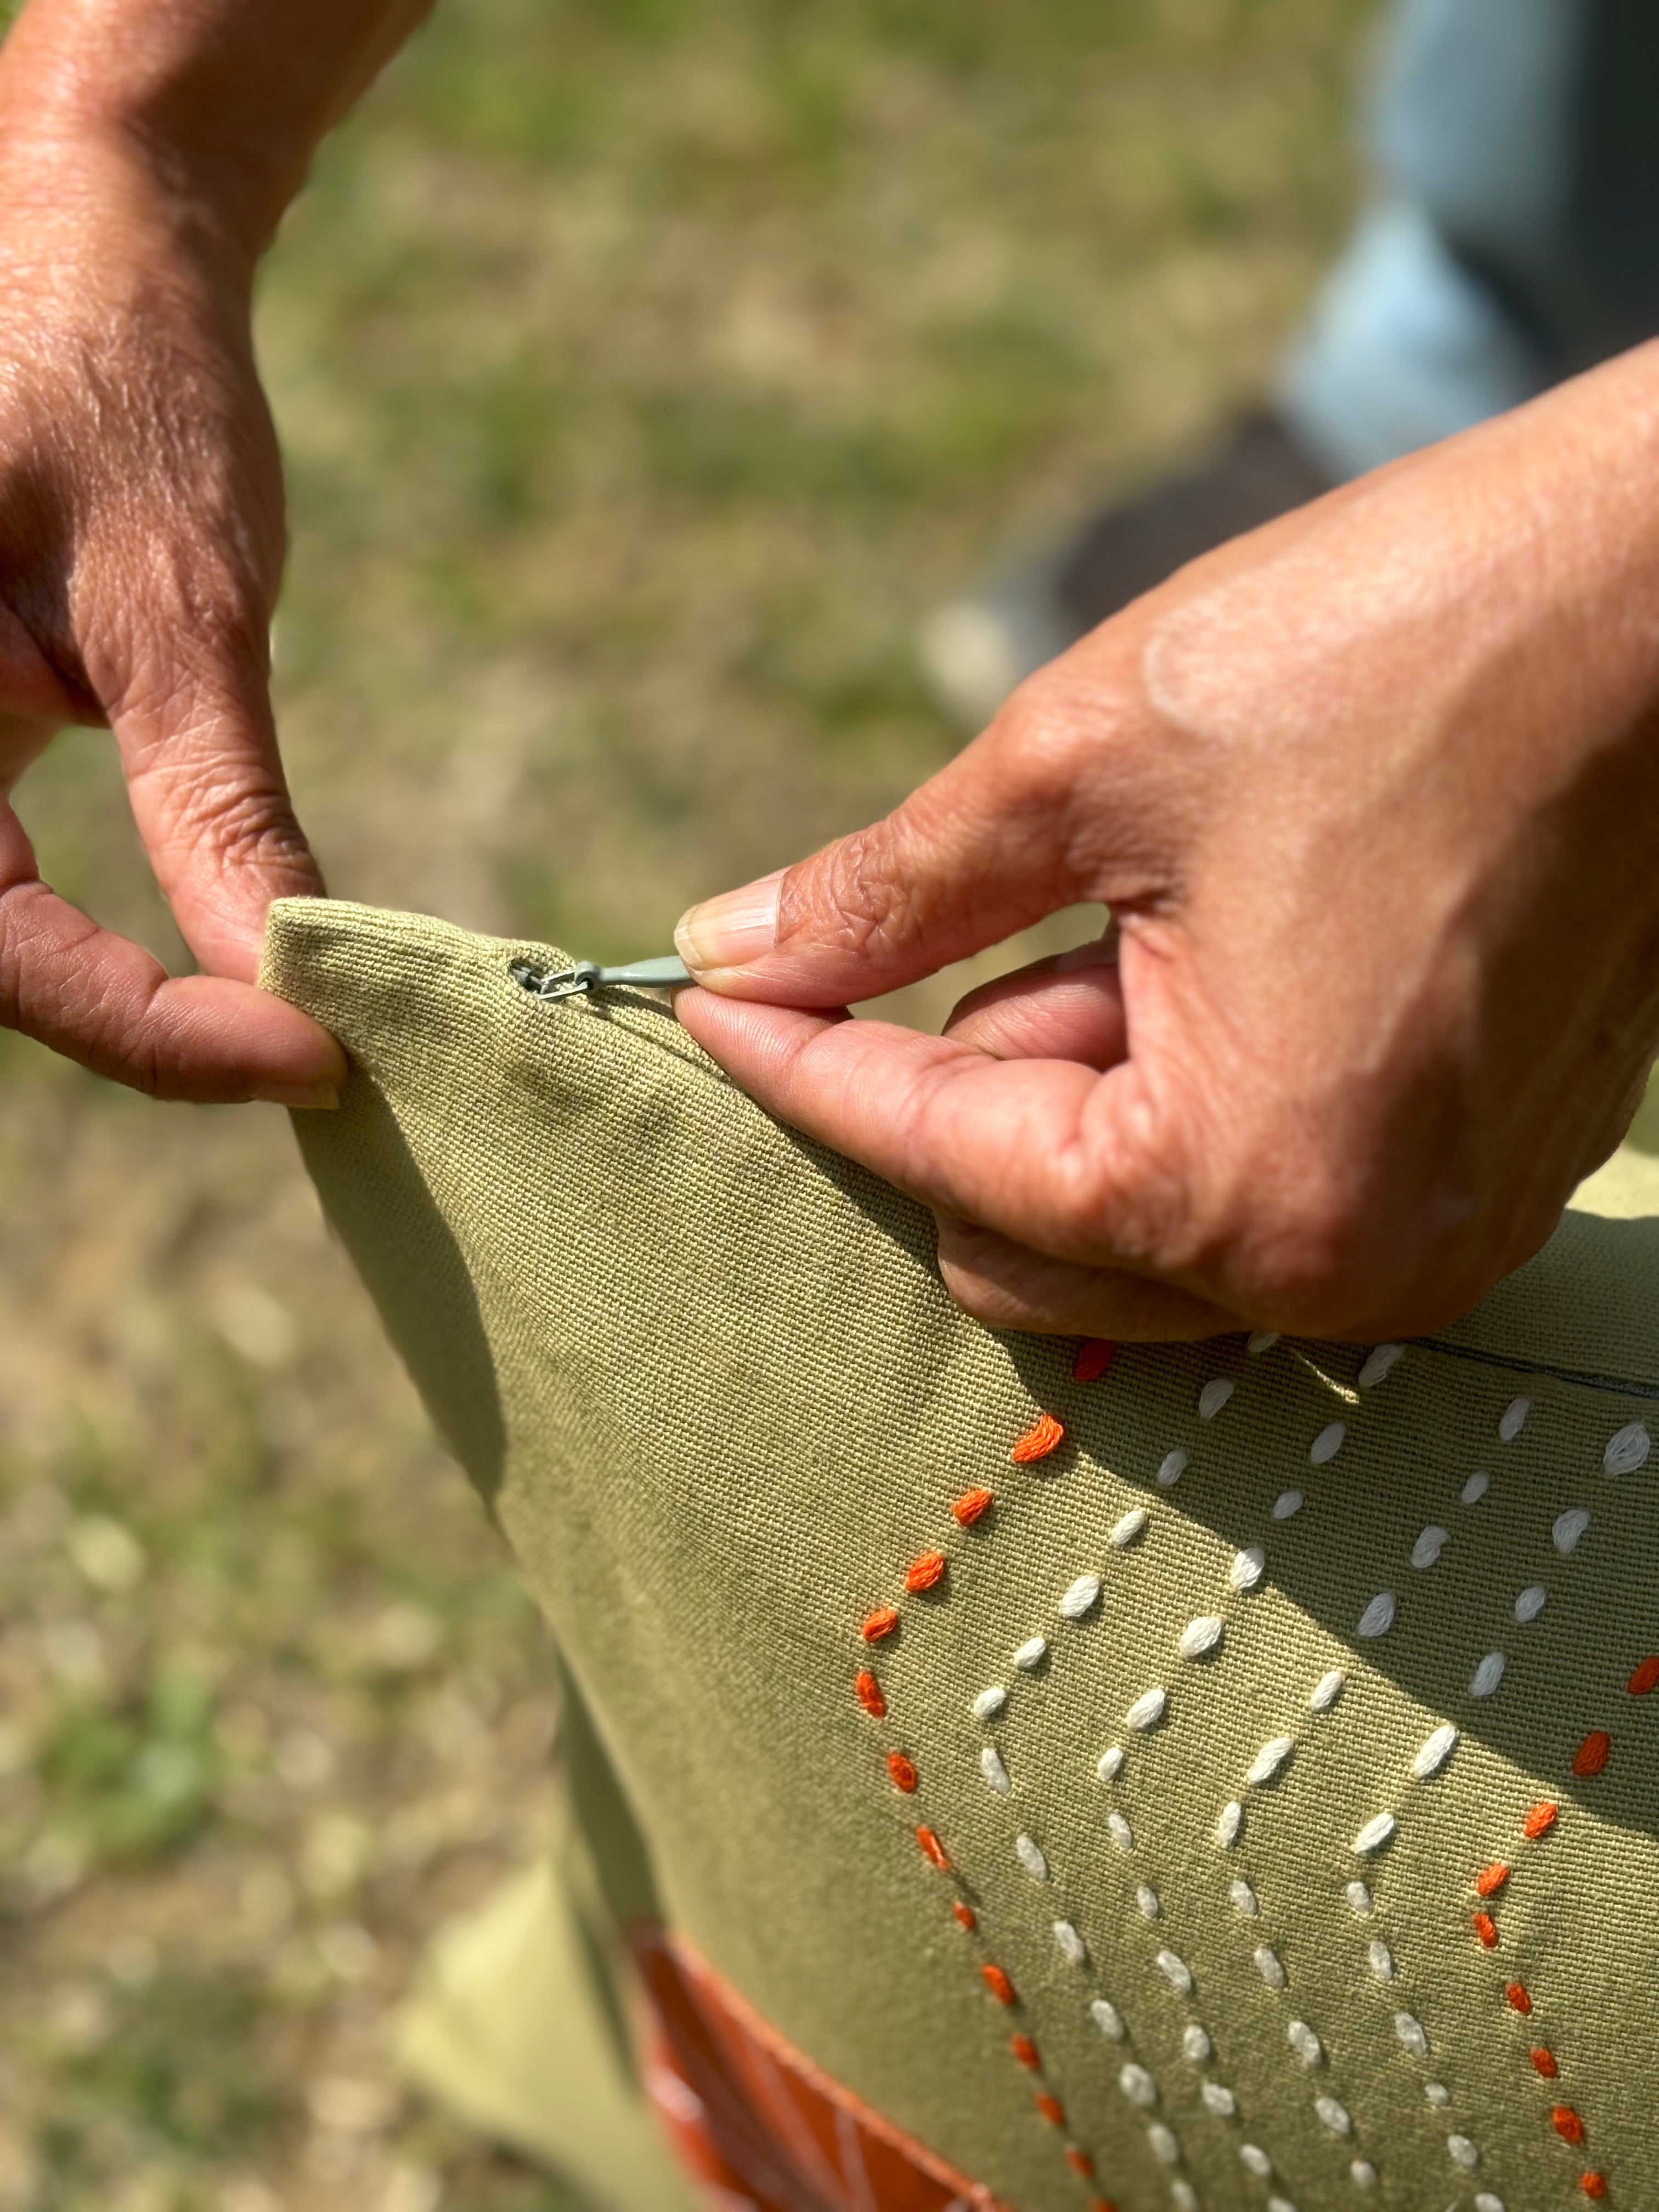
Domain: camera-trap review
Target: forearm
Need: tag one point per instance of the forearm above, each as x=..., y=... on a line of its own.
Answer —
x=220, y=102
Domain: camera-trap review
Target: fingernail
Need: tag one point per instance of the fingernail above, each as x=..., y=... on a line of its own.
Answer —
x=322, y=1095
x=732, y=929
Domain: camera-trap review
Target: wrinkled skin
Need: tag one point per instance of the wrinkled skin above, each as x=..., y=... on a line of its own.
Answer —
x=1373, y=795
x=148, y=148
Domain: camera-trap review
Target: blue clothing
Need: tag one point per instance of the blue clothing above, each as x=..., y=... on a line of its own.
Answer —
x=1514, y=236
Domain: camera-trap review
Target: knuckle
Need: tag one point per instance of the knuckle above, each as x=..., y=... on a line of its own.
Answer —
x=858, y=899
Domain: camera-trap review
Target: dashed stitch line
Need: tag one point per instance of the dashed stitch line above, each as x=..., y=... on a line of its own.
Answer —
x=925, y=1573
x=1540, y=1820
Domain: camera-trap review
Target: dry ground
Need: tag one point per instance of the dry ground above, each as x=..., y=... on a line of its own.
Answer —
x=646, y=368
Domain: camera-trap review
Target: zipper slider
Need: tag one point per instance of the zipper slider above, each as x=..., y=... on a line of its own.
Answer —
x=668, y=974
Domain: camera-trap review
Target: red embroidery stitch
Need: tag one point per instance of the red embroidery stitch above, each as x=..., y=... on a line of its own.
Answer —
x=1094, y=1357
x=1544, y=2063
x=1051, y=2109
x=1490, y=1880
x=1045, y=1435
x=1079, y=2161
x=1591, y=1755
x=925, y=1573
x=1541, y=1818
x=1026, y=2051
x=1593, y=2184
x=1645, y=1679
x=965, y=1914
x=882, y=1622
x=998, y=1983
x=1567, y=2124
x=970, y=1505
x=933, y=1848
x=868, y=1691
x=1515, y=1993
x=902, y=1772
x=1486, y=1929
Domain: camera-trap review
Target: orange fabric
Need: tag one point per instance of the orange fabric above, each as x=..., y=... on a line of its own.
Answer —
x=759, y=2128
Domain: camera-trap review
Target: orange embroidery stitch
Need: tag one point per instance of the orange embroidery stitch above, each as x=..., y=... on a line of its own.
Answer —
x=1517, y=1995
x=933, y=1848
x=902, y=1772
x=1544, y=2063
x=1079, y=2161
x=1045, y=1435
x=1541, y=1818
x=1094, y=1357
x=1491, y=1879
x=1591, y=1755
x=1486, y=1929
x=1593, y=2184
x=969, y=1506
x=1567, y=2124
x=1051, y=2109
x=925, y=1573
x=868, y=1691
x=965, y=1914
x=1645, y=1679
x=998, y=1983
x=882, y=1622
x=1026, y=2051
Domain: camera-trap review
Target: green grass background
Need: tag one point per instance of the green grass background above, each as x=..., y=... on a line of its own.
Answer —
x=646, y=369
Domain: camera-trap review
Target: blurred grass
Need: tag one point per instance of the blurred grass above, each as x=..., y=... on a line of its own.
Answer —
x=646, y=371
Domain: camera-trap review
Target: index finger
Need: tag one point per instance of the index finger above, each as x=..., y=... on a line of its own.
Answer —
x=1042, y=1150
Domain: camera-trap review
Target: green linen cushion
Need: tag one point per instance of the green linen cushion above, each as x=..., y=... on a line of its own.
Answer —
x=1255, y=1739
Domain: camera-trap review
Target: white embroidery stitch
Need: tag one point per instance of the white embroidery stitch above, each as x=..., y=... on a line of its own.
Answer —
x=1568, y=1528
x=1379, y=1362
x=1375, y=1833
x=1072, y=1948
x=1031, y=1653
x=1425, y=1551
x=1287, y=1504
x=1487, y=1676
x=989, y=1702
x=1201, y=1636
x=1174, y=1466
x=1268, y=1760
x=991, y=1767
x=1128, y=1527
x=1212, y=1397
x=1435, y=1750
x=1246, y=1568
x=1377, y=1618
x=1148, y=1711
x=1108, y=2019
x=1029, y=1855
x=1530, y=1603
x=1513, y=1418
x=1326, y=1689
x=1475, y=1489
x=1080, y=1596
x=1628, y=1451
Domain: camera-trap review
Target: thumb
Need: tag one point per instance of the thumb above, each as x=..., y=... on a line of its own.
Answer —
x=995, y=842
x=206, y=786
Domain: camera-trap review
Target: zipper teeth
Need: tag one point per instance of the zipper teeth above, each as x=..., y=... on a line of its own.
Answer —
x=1618, y=1386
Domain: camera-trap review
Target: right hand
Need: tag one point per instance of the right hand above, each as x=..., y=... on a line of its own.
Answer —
x=1373, y=793
x=141, y=548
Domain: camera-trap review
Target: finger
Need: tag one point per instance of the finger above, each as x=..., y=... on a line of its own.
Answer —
x=105, y=1002
x=1007, y=1286
x=1068, y=1162
x=1069, y=1007
x=208, y=792
x=1035, y=815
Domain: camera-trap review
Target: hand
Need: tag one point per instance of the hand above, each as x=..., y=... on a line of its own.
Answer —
x=1373, y=795
x=141, y=546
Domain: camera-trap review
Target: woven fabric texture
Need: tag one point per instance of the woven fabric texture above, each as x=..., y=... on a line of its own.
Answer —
x=1253, y=1802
